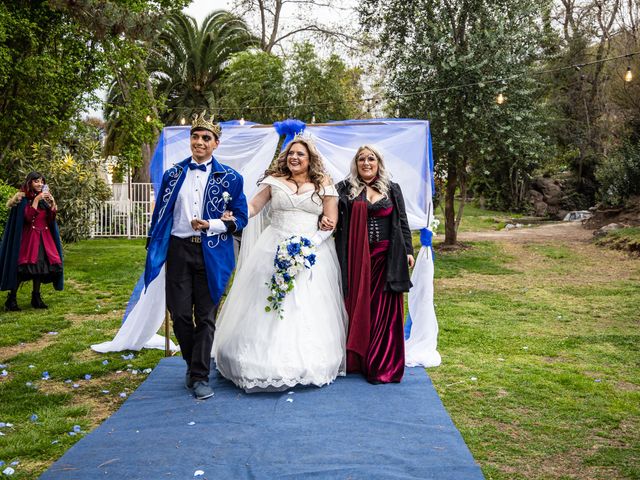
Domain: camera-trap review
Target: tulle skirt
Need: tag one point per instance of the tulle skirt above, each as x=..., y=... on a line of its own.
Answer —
x=259, y=351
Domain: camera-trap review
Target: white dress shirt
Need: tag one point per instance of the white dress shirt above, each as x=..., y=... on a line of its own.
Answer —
x=190, y=204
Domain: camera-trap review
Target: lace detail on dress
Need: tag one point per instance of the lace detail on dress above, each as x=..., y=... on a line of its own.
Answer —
x=279, y=384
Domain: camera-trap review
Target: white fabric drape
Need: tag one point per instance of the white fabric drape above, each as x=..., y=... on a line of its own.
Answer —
x=144, y=320
x=421, y=346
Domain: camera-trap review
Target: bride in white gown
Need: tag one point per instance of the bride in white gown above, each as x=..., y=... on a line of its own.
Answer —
x=255, y=349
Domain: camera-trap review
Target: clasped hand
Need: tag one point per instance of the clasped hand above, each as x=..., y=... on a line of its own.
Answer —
x=327, y=224
x=200, y=225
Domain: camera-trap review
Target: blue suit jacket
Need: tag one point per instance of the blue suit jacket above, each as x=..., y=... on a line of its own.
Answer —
x=217, y=249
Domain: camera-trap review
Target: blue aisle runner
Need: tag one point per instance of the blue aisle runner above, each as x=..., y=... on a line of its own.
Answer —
x=348, y=430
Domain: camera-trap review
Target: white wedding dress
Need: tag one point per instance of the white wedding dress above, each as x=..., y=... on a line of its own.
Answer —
x=256, y=349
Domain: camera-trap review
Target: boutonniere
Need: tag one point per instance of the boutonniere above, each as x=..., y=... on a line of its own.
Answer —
x=226, y=197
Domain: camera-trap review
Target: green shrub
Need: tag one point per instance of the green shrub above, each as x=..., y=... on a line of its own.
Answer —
x=6, y=192
x=619, y=175
x=73, y=175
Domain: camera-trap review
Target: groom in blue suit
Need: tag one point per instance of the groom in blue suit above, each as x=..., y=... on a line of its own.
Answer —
x=188, y=235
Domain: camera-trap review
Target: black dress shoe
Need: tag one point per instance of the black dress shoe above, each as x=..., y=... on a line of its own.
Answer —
x=202, y=390
x=12, y=304
x=36, y=301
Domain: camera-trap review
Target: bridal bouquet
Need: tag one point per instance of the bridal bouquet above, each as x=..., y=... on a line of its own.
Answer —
x=293, y=255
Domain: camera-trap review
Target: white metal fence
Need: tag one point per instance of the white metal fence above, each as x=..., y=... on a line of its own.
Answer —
x=127, y=214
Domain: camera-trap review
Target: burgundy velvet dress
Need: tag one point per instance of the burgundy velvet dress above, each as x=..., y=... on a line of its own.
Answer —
x=38, y=256
x=375, y=342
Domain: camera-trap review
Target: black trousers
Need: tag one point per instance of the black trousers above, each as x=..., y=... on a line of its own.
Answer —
x=188, y=300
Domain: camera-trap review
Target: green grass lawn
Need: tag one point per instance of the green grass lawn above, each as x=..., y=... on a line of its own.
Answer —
x=475, y=219
x=540, y=347
x=627, y=239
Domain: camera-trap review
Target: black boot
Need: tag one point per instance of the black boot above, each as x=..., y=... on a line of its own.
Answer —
x=36, y=300
x=12, y=303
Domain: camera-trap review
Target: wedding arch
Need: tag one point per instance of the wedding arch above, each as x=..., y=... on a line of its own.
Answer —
x=249, y=148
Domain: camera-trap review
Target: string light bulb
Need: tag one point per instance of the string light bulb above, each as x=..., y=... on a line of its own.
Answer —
x=148, y=119
x=629, y=75
x=500, y=98
x=183, y=121
x=242, y=120
x=313, y=117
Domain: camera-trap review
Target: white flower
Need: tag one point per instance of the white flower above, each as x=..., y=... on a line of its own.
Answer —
x=226, y=197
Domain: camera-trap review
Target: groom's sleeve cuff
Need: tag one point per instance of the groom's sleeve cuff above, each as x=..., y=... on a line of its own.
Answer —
x=216, y=227
x=231, y=225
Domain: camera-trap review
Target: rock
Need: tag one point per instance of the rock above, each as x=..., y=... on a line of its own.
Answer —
x=577, y=215
x=540, y=209
x=612, y=226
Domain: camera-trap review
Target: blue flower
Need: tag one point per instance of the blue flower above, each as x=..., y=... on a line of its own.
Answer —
x=282, y=264
x=288, y=261
x=293, y=249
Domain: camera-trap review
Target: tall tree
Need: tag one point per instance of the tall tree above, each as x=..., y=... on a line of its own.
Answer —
x=432, y=45
x=187, y=62
x=582, y=128
x=254, y=87
x=327, y=87
x=54, y=54
x=277, y=21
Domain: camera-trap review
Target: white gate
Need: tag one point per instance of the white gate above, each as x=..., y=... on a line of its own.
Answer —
x=127, y=214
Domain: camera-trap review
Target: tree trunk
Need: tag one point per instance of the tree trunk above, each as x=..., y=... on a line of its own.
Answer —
x=463, y=198
x=450, y=232
x=141, y=173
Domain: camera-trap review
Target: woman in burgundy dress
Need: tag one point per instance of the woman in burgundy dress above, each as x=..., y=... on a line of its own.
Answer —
x=31, y=248
x=373, y=242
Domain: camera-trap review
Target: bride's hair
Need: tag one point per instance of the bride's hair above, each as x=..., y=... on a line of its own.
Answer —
x=317, y=174
x=356, y=184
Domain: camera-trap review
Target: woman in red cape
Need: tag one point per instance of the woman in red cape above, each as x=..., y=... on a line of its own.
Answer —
x=31, y=248
x=374, y=247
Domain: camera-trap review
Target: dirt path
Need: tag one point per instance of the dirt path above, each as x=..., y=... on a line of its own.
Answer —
x=565, y=232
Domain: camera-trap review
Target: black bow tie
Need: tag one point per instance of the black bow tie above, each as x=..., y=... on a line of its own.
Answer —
x=198, y=166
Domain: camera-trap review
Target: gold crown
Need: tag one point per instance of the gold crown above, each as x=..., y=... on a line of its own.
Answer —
x=199, y=121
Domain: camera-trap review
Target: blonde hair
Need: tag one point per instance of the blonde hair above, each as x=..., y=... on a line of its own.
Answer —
x=356, y=184
x=317, y=174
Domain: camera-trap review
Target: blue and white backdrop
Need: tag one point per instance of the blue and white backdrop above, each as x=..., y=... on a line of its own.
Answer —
x=249, y=148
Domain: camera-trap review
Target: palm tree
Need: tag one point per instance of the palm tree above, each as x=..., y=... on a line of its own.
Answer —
x=186, y=62
x=183, y=67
